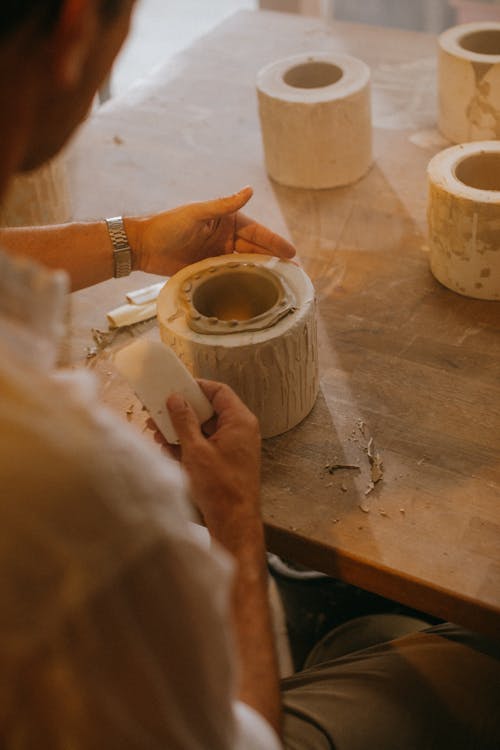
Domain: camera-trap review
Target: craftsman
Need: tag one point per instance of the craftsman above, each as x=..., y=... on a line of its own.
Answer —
x=118, y=629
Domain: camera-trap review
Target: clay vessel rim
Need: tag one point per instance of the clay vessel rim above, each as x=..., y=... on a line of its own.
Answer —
x=283, y=305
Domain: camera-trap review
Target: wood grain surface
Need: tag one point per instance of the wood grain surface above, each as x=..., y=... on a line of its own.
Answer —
x=403, y=360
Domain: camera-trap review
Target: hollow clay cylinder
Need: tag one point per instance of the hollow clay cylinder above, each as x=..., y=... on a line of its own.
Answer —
x=249, y=321
x=464, y=218
x=469, y=82
x=37, y=198
x=315, y=114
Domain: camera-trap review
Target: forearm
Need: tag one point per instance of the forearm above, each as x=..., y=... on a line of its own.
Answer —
x=259, y=680
x=225, y=482
x=161, y=243
x=83, y=249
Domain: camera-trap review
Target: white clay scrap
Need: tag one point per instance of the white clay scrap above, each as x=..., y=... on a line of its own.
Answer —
x=128, y=315
x=155, y=372
x=146, y=294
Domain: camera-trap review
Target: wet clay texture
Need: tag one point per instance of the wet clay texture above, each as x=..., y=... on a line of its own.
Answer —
x=272, y=367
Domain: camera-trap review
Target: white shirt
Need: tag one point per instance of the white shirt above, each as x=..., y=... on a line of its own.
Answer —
x=113, y=616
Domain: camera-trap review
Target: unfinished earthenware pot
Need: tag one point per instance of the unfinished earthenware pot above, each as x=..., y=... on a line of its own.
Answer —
x=464, y=218
x=249, y=321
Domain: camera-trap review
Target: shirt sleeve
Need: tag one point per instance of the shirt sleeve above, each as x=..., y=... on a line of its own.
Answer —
x=114, y=625
x=253, y=732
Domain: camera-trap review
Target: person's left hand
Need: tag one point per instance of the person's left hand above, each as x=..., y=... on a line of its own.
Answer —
x=166, y=242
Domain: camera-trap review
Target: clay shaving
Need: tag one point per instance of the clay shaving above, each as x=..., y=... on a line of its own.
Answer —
x=370, y=488
x=376, y=463
x=103, y=339
x=332, y=468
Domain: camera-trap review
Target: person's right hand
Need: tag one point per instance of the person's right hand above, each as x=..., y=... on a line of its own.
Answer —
x=224, y=468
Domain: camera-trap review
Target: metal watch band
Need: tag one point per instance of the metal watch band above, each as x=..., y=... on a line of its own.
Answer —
x=122, y=253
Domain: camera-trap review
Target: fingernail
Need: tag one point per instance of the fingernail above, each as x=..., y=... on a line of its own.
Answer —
x=176, y=402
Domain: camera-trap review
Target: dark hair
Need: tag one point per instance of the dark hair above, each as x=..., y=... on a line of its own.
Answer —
x=14, y=12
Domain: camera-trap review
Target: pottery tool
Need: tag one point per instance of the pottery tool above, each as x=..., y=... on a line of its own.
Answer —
x=155, y=372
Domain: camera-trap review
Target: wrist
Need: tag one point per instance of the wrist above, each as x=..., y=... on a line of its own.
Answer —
x=230, y=506
x=240, y=531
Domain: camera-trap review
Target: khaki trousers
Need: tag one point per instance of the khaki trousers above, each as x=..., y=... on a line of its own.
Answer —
x=438, y=689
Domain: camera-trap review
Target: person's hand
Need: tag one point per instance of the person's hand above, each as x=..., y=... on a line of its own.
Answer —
x=224, y=468
x=166, y=242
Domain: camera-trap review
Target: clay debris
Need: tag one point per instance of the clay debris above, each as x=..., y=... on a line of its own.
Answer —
x=102, y=339
x=376, y=463
x=332, y=468
x=374, y=458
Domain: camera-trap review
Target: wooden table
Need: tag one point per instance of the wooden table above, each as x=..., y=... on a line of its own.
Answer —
x=403, y=360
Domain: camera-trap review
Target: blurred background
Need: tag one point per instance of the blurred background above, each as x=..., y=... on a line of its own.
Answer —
x=161, y=28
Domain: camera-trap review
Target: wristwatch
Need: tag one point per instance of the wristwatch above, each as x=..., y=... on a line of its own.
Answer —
x=122, y=252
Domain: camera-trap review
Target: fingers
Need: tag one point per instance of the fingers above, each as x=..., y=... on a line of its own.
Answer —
x=252, y=237
x=184, y=420
x=242, y=246
x=224, y=206
x=227, y=405
x=173, y=451
x=220, y=395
